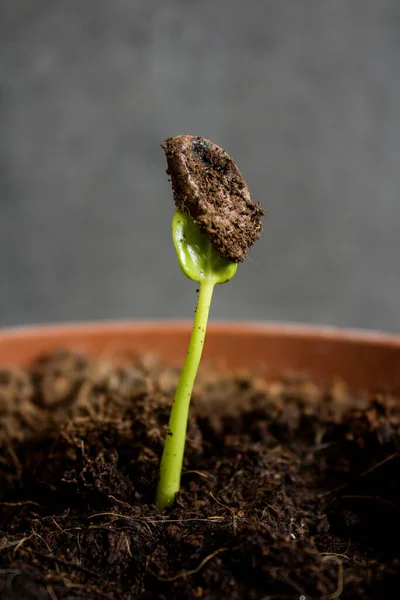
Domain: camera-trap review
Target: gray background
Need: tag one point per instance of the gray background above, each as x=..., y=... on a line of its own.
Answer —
x=305, y=96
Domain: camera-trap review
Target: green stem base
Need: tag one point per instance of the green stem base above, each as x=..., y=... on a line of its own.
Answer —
x=172, y=458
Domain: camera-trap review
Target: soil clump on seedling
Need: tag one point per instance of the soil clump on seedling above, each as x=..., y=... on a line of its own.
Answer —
x=208, y=185
x=289, y=490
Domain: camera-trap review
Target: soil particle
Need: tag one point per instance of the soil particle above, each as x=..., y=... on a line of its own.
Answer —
x=208, y=185
x=289, y=490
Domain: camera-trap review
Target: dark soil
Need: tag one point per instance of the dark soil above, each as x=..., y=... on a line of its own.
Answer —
x=208, y=185
x=289, y=490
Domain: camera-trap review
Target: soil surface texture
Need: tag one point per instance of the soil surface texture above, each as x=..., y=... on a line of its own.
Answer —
x=208, y=185
x=289, y=490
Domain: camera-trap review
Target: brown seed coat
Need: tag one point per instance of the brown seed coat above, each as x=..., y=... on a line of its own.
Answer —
x=208, y=185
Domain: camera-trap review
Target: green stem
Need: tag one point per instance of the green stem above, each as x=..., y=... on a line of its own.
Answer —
x=172, y=458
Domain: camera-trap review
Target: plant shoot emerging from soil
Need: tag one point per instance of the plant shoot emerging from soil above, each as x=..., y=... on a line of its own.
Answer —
x=214, y=225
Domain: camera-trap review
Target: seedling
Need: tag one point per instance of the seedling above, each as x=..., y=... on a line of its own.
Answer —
x=214, y=225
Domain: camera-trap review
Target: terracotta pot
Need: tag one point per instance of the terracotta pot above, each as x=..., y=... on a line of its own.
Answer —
x=364, y=360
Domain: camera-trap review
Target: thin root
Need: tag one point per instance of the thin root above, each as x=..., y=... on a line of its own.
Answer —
x=339, y=590
x=191, y=571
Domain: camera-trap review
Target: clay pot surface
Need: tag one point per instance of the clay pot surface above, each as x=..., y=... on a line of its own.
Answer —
x=364, y=360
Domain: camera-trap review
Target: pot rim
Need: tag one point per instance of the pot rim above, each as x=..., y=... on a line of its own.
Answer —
x=276, y=328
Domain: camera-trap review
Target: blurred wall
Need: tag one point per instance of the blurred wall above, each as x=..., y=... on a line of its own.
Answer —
x=305, y=96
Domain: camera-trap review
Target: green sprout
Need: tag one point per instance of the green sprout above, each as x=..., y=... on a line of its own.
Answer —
x=202, y=263
x=214, y=225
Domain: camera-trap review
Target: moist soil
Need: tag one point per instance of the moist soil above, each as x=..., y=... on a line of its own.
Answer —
x=289, y=490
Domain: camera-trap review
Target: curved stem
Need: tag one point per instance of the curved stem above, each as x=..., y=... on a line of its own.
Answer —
x=172, y=458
